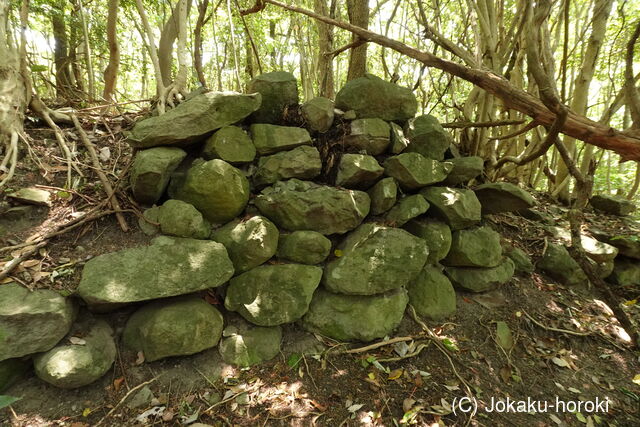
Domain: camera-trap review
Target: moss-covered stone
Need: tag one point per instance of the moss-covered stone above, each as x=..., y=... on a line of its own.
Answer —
x=478, y=279
x=302, y=162
x=457, y=207
x=435, y=233
x=427, y=137
x=369, y=135
x=230, y=144
x=269, y=139
x=432, y=294
x=406, y=209
x=244, y=344
x=474, y=247
x=319, y=114
x=304, y=247
x=151, y=172
x=178, y=218
x=383, y=195
x=358, y=171
x=279, y=90
x=414, y=171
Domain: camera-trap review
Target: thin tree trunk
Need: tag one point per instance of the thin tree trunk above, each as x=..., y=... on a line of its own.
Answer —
x=87, y=53
x=197, y=41
x=61, y=55
x=358, y=11
x=153, y=54
x=111, y=72
x=325, y=45
x=168, y=37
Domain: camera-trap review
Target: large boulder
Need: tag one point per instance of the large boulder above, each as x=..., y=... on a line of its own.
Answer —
x=370, y=96
x=383, y=195
x=173, y=327
x=178, y=218
x=626, y=272
x=193, y=120
x=249, y=242
x=215, y=188
x=269, y=139
x=369, y=135
x=358, y=171
x=355, y=317
x=231, y=144
x=474, y=247
x=73, y=364
x=151, y=172
x=304, y=247
x=31, y=322
x=271, y=295
x=413, y=170
x=458, y=207
x=614, y=205
x=559, y=265
x=477, y=279
x=427, y=137
x=170, y=266
x=521, y=260
x=318, y=113
x=374, y=259
x=435, y=233
x=432, y=294
x=302, y=162
x=279, y=91
x=464, y=170
x=302, y=205
x=500, y=197
x=406, y=209
x=244, y=344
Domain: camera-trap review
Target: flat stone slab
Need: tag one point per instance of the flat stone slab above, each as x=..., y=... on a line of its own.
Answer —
x=500, y=197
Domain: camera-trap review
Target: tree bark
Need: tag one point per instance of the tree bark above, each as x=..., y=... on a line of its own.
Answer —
x=168, y=36
x=111, y=72
x=61, y=50
x=325, y=45
x=197, y=41
x=358, y=11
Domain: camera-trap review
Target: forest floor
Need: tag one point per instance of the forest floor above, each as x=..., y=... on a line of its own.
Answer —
x=315, y=381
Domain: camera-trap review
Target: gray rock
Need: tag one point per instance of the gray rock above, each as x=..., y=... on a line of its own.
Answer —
x=249, y=242
x=358, y=171
x=230, y=144
x=426, y=137
x=383, y=195
x=432, y=294
x=464, y=170
x=398, y=141
x=375, y=259
x=628, y=245
x=216, y=189
x=151, y=171
x=559, y=265
x=477, y=279
x=178, y=218
x=536, y=215
x=302, y=162
x=414, y=171
x=31, y=196
x=474, y=247
x=370, y=96
x=244, y=344
x=279, y=91
x=318, y=112
x=304, y=247
x=355, y=317
x=595, y=249
x=521, y=260
x=500, y=197
x=31, y=322
x=269, y=139
x=370, y=135
x=302, y=205
x=193, y=120
x=73, y=365
x=173, y=327
x=406, y=209
x=149, y=222
x=170, y=266
x=614, y=205
x=271, y=295
x=457, y=207
x=626, y=272
x=435, y=233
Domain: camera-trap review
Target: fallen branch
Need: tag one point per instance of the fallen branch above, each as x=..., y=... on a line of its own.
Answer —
x=549, y=328
x=465, y=125
x=8, y=268
x=126, y=396
x=379, y=344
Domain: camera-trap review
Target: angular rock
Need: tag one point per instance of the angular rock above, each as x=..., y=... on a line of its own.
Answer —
x=269, y=139
x=358, y=171
x=414, y=171
x=230, y=144
x=249, y=242
x=432, y=294
x=173, y=327
x=559, y=265
x=11, y=370
x=457, y=207
x=474, y=247
x=244, y=344
x=178, y=218
x=216, y=189
x=271, y=295
x=318, y=112
x=464, y=170
x=626, y=272
x=614, y=205
x=302, y=162
x=477, y=279
x=596, y=250
x=31, y=322
x=304, y=247
x=279, y=91
x=406, y=209
x=427, y=137
x=302, y=205
x=193, y=120
x=375, y=259
x=497, y=197
x=70, y=365
x=355, y=317
x=521, y=260
x=170, y=266
x=31, y=196
x=369, y=135
x=398, y=141
x=628, y=245
x=151, y=171
x=371, y=96
x=435, y=233
x=383, y=195
x=536, y=215
x=149, y=220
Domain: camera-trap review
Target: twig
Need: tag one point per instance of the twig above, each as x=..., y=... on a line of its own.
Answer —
x=465, y=125
x=549, y=328
x=379, y=344
x=532, y=124
x=417, y=351
x=129, y=393
x=8, y=268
